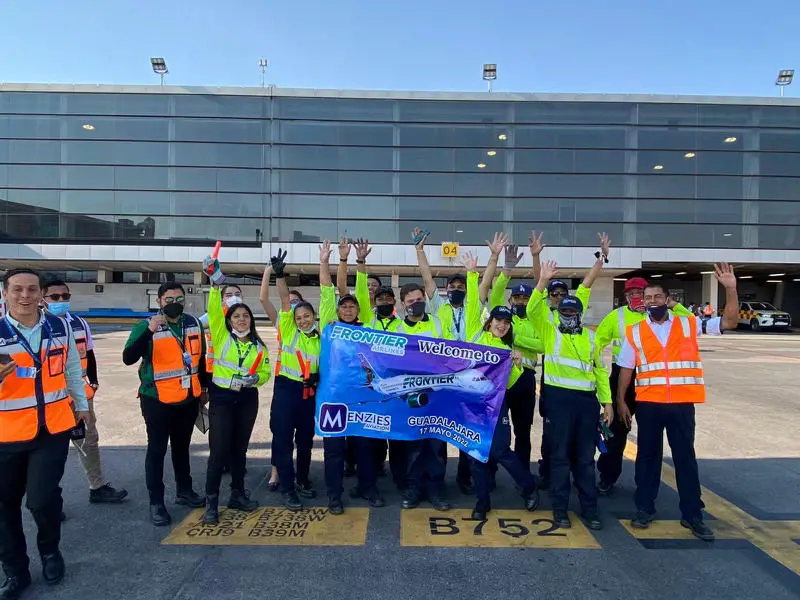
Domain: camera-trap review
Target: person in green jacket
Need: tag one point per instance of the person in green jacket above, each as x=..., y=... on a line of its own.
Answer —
x=497, y=332
x=233, y=396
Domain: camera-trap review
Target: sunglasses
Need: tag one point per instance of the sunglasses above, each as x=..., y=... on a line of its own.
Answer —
x=558, y=294
x=57, y=297
x=171, y=300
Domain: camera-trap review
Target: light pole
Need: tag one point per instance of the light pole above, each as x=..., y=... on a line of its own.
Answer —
x=489, y=74
x=262, y=64
x=784, y=78
x=159, y=67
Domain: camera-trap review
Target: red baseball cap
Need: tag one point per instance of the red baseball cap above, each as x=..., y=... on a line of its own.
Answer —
x=635, y=283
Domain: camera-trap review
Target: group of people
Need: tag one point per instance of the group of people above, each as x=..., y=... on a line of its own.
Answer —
x=48, y=377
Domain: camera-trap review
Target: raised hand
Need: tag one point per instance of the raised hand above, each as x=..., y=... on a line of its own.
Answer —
x=362, y=249
x=344, y=248
x=497, y=245
x=549, y=270
x=512, y=258
x=325, y=251
x=535, y=243
x=605, y=243
x=419, y=234
x=470, y=261
x=278, y=263
x=724, y=274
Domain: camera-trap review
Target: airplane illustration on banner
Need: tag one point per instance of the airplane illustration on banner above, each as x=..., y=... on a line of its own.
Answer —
x=414, y=389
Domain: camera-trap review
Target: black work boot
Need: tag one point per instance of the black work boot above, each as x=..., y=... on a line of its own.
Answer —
x=291, y=501
x=107, y=494
x=190, y=498
x=211, y=516
x=240, y=500
x=159, y=515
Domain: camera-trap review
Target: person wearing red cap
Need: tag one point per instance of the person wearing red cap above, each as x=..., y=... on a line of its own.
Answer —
x=612, y=331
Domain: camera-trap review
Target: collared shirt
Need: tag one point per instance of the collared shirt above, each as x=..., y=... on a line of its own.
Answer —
x=627, y=355
x=72, y=368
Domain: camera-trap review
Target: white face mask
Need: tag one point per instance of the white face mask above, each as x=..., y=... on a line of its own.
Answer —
x=230, y=301
x=241, y=334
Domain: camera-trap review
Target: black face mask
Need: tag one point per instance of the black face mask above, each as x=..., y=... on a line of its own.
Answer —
x=657, y=312
x=384, y=310
x=520, y=310
x=173, y=310
x=417, y=309
x=456, y=297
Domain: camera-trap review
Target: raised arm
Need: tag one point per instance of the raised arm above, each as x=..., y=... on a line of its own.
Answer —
x=536, y=247
x=325, y=264
x=472, y=306
x=263, y=296
x=496, y=246
x=341, y=271
x=279, y=267
x=725, y=275
x=605, y=244
x=537, y=309
x=424, y=268
x=362, y=288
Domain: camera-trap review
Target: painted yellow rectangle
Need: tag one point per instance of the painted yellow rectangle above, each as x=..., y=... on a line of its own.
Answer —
x=450, y=249
x=673, y=530
x=274, y=526
x=502, y=529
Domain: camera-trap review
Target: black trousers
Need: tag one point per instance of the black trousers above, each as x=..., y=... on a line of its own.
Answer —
x=500, y=453
x=291, y=421
x=168, y=424
x=609, y=465
x=572, y=418
x=335, y=452
x=521, y=398
x=544, y=462
x=398, y=462
x=678, y=419
x=34, y=469
x=379, y=452
x=464, y=469
x=232, y=416
x=425, y=466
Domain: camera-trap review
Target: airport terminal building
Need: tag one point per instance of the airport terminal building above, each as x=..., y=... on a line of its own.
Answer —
x=117, y=188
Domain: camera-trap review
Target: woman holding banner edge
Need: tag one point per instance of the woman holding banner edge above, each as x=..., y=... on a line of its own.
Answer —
x=496, y=332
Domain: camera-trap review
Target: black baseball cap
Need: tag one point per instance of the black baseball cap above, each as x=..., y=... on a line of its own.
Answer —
x=345, y=298
x=385, y=290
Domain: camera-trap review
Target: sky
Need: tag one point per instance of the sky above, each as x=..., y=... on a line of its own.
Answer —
x=707, y=47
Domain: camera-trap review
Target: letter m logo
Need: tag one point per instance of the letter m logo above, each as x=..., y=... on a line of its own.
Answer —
x=333, y=418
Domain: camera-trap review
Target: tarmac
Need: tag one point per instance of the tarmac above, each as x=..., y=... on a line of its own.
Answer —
x=747, y=446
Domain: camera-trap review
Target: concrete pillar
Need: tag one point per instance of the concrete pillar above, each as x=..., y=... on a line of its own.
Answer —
x=102, y=276
x=777, y=300
x=601, y=302
x=395, y=280
x=197, y=277
x=710, y=291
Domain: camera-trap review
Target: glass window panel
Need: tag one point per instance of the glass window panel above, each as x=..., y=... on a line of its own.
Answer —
x=451, y=209
x=87, y=202
x=34, y=151
x=223, y=205
x=723, y=163
x=545, y=136
x=454, y=111
x=142, y=203
x=240, y=180
x=377, y=232
x=779, y=213
x=201, y=179
x=477, y=161
x=724, y=139
x=344, y=109
x=660, y=185
x=585, y=186
x=669, y=161
x=688, y=236
x=573, y=112
x=4, y=145
x=115, y=128
x=599, y=211
x=569, y=161
x=427, y=159
x=320, y=207
x=33, y=176
x=91, y=178
x=333, y=157
x=650, y=113
x=359, y=207
x=778, y=164
x=332, y=182
x=463, y=232
x=141, y=178
x=727, y=211
x=480, y=184
x=219, y=106
x=30, y=103
x=728, y=114
x=115, y=153
x=305, y=230
x=351, y=134
x=217, y=155
x=586, y=233
x=420, y=184
x=535, y=209
x=773, y=188
x=556, y=234
x=779, y=237
x=788, y=141
x=3, y=175
x=117, y=104
x=33, y=127
x=658, y=211
x=719, y=187
x=219, y=130
x=30, y=201
x=673, y=138
x=31, y=226
x=780, y=116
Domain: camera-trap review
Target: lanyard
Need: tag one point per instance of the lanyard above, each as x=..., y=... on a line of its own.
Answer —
x=239, y=351
x=180, y=340
x=457, y=321
x=26, y=345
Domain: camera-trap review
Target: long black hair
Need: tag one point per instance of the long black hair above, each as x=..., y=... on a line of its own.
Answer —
x=508, y=338
x=253, y=337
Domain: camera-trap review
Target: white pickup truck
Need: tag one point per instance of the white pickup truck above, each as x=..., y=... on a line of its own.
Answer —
x=759, y=315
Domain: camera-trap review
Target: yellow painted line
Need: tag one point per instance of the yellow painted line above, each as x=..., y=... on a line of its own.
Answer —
x=775, y=538
x=274, y=526
x=502, y=529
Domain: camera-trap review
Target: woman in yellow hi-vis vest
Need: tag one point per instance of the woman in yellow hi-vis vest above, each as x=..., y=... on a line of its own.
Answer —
x=293, y=402
x=241, y=365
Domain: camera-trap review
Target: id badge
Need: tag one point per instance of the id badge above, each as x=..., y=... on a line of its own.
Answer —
x=187, y=360
x=186, y=381
x=26, y=372
x=236, y=384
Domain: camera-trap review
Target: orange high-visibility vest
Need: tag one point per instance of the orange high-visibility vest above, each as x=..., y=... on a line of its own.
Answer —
x=174, y=378
x=671, y=373
x=27, y=401
x=79, y=330
x=209, y=352
x=278, y=361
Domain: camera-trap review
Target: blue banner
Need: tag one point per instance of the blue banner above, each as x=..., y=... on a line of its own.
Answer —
x=405, y=387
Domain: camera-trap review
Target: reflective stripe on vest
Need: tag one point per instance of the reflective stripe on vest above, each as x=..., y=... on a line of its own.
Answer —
x=292, y=349
x=30, y=401
x=78, y=327
x=426, y=333
x=564, y=371
x=616, y=342
x=169, y=369
x=672, y=372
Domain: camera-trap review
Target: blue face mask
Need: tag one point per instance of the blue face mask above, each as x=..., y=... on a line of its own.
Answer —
x=311, y=330
x=294, y=303
x=58, y=309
